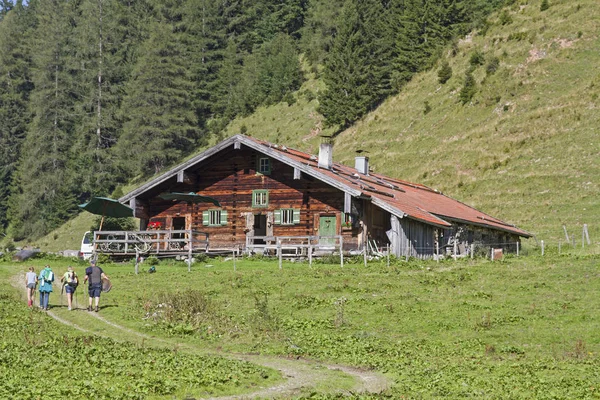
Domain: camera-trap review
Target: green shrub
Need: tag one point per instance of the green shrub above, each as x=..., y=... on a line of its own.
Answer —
x=152, y=260
x=427, y=108
x=545, y=5
x=445, y=72
x=289, y=98
x=505, y=18
x=469, y=89
x=477, y=58
x=492, y=65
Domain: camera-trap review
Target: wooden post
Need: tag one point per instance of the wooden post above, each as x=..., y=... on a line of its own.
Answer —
x=492, y=254
x=472, y=250
x=542, y=247
x=455, y=250
x=190, y=259
x=587, y=234
x=566, y=234
x=365, y=253
x=126, y=241
x=342, y=251
x=280, y=253
x=310, y=249
x=388, y=254
x=518, y=249
x=437, y=251
x=234, y=260
x=583, y=238
x=137, y=261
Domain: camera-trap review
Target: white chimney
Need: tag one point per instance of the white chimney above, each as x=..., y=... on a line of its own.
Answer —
x=326, y=154
x=362, y=165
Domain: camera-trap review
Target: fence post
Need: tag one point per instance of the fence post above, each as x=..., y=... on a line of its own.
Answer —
x=542, y=247
x=365, y=254
x=388, y=254
x=309, y=252
x=280, y=253
x=437, y=251
x=190, y=259
x=137, y=261
x=517, y=249
x=492, y=254
x=341, y=251
x=472, y=250
x=233, y=260
x=454, y=250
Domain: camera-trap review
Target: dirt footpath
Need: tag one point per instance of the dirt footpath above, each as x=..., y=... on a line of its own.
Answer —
x=301, y=375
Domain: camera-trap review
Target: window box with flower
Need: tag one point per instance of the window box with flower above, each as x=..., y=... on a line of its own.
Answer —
x=154, y=226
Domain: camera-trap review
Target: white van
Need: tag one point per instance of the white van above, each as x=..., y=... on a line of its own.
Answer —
x=87, y=246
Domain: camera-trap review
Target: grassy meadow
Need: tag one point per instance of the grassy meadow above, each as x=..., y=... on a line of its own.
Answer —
x=523, y=327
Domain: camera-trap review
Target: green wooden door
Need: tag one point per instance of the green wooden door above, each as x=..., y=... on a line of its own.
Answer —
x=327, y=228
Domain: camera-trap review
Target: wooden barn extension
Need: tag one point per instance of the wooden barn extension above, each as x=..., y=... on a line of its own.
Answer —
x=271, y=196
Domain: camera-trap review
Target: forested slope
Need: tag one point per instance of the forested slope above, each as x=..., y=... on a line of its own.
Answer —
x=96, y=94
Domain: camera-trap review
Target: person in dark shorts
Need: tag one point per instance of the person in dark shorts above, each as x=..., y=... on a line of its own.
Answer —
x=94, y=274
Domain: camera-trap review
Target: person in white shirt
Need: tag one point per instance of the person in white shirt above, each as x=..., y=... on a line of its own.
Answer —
x=30, y=283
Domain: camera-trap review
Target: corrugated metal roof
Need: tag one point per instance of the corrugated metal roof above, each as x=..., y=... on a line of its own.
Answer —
x=401, y=198
x=414, y=200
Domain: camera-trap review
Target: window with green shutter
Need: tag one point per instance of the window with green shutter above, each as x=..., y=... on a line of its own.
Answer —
x=214, y=217
x=260, y=198
x=287, y=216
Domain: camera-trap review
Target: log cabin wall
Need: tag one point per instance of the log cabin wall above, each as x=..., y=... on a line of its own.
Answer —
x=231, y=177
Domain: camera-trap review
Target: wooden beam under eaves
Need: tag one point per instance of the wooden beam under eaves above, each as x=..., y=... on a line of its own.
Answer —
x=297, y=173
x=186, y=177
x=347, y=203
x=139, y=209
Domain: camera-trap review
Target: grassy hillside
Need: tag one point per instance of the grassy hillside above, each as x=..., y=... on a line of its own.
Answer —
x=525, y=149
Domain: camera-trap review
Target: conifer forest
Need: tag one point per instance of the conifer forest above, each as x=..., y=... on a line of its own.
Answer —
x=96, y=93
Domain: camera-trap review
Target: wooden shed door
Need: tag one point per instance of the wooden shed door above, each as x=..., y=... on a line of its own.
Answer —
x=327, y=228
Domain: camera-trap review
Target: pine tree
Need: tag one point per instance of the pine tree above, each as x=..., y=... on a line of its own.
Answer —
x=358, y=68
x=445, y=72
x=469, y=88
x=45, y=198
x=279, y=69
x=204, y=23
x=227, y=102
x=160, y=123
x=15, y=88
x=101, y=29
x=319, y=29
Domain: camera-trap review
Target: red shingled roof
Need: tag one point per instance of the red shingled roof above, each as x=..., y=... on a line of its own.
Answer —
x=411, y=200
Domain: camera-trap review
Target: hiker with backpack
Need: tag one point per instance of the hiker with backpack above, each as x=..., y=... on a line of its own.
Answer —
x=70, y=282
x=46, y=278
x=31, y=280
x=95, y=275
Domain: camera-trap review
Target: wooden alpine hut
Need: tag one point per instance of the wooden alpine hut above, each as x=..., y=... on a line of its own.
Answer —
x=271, y=197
